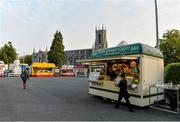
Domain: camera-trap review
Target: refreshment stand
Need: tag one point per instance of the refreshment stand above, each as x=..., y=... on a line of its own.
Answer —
x=16, y=69
x=142, y=64
x=67, y=71
x=81, y=70
x=42, y=69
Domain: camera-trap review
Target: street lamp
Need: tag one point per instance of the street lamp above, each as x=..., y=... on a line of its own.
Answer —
x=157, y=29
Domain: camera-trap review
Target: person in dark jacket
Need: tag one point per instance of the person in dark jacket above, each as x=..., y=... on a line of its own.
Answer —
x=24, y=77
x=111, y=73
x=123, y=93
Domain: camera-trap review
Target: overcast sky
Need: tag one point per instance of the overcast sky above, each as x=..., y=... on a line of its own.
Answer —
x=31, y=24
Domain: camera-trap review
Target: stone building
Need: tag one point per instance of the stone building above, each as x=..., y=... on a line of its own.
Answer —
x=100, y=43
x=100, y=39
x=72, y=55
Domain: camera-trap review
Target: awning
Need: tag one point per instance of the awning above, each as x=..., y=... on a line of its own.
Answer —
x=44, y=65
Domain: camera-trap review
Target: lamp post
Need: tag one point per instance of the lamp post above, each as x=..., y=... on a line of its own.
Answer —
x=157, y=29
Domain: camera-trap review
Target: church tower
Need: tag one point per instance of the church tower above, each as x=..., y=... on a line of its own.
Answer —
x=100, y=39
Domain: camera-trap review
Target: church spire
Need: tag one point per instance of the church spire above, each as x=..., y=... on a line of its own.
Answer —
x=46, y=54
x=33, y=50
x=46, y=49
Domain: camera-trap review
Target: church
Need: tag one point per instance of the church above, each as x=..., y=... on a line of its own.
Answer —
x=72, y=55
x=100, y=43
x=40, y=56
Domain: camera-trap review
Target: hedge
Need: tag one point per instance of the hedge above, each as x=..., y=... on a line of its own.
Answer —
x=172, y=73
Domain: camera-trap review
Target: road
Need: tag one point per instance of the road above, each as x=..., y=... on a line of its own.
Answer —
x=64, y=99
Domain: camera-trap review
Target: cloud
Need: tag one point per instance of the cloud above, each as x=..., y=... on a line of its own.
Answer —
x=32, y=23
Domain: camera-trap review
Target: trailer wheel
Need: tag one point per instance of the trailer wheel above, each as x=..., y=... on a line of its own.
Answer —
x=112, y=100
x=104, y=98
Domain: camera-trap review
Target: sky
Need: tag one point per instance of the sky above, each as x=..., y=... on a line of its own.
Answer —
x=31, y=24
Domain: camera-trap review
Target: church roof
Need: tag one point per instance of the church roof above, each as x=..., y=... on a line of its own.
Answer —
x=43, y=53
x=129, y=49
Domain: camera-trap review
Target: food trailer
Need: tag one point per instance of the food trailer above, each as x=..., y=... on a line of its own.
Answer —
x=67, y=71
x=142, y=64
x=42, y=69
x=14, y=69
x=81, y=70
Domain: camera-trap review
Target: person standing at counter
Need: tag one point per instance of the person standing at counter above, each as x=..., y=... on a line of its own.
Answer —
x=111, y=73
x=123, y=93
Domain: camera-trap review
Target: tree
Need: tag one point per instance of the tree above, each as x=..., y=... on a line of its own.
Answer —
x=26, y=59
x=56, y=53
x=172, y=72
x=8, y=53
x=170, y=46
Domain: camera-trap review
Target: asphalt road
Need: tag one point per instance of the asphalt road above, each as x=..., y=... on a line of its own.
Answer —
x=64, y=99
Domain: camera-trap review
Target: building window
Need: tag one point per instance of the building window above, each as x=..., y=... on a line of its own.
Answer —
x=99, y=38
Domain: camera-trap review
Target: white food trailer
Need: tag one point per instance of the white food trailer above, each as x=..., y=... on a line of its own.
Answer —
x=16, y=69
x=142, y=64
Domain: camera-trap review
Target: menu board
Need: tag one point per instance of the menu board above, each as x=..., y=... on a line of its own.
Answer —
x=94, y=76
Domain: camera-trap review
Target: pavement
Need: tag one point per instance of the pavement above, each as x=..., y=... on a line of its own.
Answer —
x=65, y=99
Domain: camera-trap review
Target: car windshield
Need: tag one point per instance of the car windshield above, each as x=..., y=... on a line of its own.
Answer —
x=8, y=71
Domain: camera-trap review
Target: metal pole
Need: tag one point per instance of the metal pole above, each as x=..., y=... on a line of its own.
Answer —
x=177, y=99
x=23, y=58
x=157, y=29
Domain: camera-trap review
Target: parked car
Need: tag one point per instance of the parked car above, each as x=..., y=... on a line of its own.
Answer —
x=8, y=73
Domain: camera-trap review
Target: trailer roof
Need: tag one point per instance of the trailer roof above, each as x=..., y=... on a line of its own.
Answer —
x=43, y=65
x=129, y=49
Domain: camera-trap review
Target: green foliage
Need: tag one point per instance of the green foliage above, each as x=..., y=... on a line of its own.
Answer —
x=170, y=46
x=21, y=60
x=8, y=53
x=56, y=53
x=172, y=73
x=27, y=59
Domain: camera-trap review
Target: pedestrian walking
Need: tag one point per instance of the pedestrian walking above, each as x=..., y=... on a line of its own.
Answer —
x=24, y=77
x=123, y=93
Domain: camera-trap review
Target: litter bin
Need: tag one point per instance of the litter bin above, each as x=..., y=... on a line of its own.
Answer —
x=171, y=95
